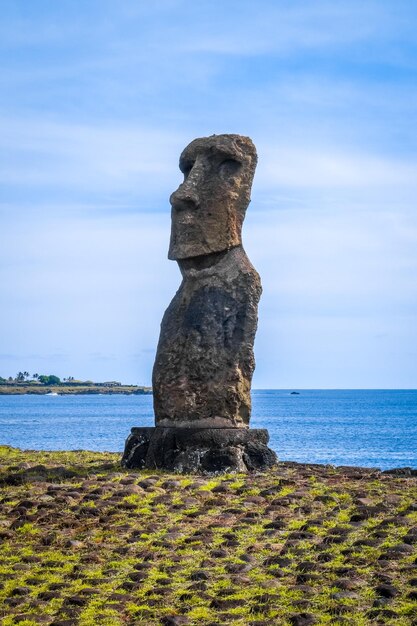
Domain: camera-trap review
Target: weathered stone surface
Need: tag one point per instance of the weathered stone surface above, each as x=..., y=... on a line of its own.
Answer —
x=208, y=208
x=203, y=450
x=204, y=363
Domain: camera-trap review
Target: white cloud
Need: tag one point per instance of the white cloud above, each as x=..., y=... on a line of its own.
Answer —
x=339, y=300
x=38, y=152
x=86, y=286
x=243, y=28
x=143, y=161
x=325, y=167
x=96, y=109
x=338, y=306
x=288, y=28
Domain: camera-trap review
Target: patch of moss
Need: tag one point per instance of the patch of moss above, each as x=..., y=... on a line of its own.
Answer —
x=89, y=543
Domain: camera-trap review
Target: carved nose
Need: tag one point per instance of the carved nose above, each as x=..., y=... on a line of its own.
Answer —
x=184, y=198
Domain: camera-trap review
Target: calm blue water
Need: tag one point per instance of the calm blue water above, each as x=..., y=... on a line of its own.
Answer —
x=349, y=427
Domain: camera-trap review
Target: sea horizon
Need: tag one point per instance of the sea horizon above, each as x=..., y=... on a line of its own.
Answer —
x=369, y=428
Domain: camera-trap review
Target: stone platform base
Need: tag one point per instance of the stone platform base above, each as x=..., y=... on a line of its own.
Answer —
x=198, y=450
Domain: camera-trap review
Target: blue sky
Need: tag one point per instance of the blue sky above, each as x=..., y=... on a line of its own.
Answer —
x=97, y=100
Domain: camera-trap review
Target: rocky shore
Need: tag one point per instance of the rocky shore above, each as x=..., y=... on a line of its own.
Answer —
x=86, y=542
x=73, y=390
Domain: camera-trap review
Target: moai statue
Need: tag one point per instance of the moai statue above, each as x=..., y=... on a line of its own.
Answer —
x=204, y=362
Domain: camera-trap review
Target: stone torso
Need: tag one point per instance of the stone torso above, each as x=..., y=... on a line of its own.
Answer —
x=204, y=363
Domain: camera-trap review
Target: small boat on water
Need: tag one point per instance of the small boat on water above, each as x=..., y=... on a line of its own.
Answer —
x=52, y=393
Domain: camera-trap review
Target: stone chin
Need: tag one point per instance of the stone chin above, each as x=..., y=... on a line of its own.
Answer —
x=182, y=251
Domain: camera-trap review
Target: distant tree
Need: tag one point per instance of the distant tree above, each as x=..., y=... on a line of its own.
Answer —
x=2, y=380
x=49, y=380
x=35, y=376
x=26, y=374
x=10, y=379
x=20, y=377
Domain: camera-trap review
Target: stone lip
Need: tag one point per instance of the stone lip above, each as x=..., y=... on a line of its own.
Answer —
x=198, y=450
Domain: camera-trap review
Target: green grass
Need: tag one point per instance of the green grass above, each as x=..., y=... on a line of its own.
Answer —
x=84, y=542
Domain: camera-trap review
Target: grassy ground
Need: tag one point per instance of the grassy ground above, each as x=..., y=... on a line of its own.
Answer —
x=84, y=542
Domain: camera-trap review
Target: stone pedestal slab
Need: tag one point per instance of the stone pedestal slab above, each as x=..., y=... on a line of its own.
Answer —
x=198, y=450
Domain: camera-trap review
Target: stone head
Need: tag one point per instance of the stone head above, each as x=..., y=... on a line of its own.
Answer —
x=209, y=206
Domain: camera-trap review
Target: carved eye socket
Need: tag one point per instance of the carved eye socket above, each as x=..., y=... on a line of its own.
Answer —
x=186, y=168
x=229, y=167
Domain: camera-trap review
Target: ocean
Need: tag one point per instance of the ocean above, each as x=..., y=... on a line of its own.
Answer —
x=371, y=428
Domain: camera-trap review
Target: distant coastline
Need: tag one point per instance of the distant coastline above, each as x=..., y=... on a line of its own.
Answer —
x=64, y=389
